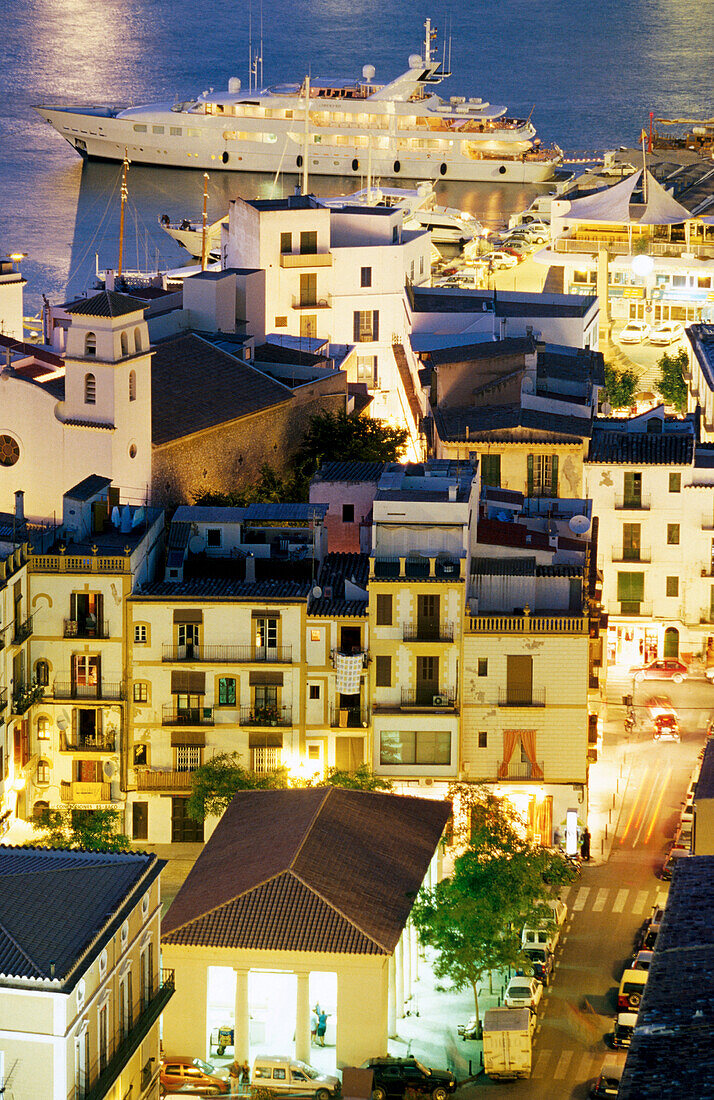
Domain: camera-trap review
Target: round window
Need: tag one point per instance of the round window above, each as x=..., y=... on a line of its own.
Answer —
x=132, y=451
x=9, y=450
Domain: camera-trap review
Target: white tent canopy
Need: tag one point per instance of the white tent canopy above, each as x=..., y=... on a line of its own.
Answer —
x=613, y=205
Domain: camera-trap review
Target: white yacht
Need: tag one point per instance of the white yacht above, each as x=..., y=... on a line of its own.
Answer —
x=327, y=127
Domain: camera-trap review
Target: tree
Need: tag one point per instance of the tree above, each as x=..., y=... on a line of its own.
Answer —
x=620, y=386
x=361, y=779
x=671, y=383
x=342, y=435
x=501, y=881
x=93, y=830
x=269, y=488
x=214, y=783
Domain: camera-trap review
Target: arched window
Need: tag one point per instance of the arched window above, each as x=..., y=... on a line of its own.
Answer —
x=90, y=389
x=137, y=339
x=671, y=642
x=124, y=344
x=42, y=673
x=90, y=344
x=132, y=385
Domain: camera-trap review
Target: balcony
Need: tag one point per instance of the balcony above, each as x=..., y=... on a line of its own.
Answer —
x=434, y=565
x=312, y=303
x=363, y=653
x=84, y=793
x=229, y=654
x=527, y=770
x=266, y=716
x=634, y=609
x=78, y=628
x=163, y=781
x=421, y=698
x=22, y=631
x=632, y=503
x=186, y=716
x=106, y=1069
x=306, y=259
x=24, y=695
x=630, y=553
x=350, y=718
x=521, y=697
x=99, y=743
x=3, y=706
x=527, y=624
x=428, y=632
x=111, y=691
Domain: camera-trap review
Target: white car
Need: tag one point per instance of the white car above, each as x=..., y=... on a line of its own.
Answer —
x=523, y=993
x=667, y=333
x=500, y=259
x=533, y=233
x=635, y=332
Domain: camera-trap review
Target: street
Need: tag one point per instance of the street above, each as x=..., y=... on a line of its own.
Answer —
x=608, y=903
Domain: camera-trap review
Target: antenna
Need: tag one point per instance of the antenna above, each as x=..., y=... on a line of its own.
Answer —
x=250, y=47
x=261, y=44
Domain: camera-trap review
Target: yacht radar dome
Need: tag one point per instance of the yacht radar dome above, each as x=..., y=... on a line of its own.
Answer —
x=234, y=85
x=368, y=72
x=415, y=61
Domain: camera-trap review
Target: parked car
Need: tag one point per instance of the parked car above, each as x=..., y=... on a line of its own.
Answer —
x=534, y=231
x=665, y=668
x=523, y=993
x=193, y=1075
x=647, y=935
x=624, y=1027
x=540, y=964
x=393, y=1076
x=607, y=1083
x=500, y=259
x=670, y=862
x=666, y=333
x=641, y=960
x=518, y=247
x=632, y=985
x=286, y=1076
x=635, y=332
x=472, y=1029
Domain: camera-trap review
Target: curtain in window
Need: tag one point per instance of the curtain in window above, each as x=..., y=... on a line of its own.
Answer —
x=510, y=737
x=528, y=741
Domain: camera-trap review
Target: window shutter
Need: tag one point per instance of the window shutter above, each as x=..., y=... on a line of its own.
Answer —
x=73, y=606
x=355, y=332
x=99, y=673
x=554, y=476
x=530, y=475
x=100, y=614
x=375, y=324
x=99, y=721
x=74, y=725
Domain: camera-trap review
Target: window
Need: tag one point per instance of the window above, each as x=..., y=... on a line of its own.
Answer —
x=483, y=666
x=315, y=635
x=43, y=773
x=43, y=729
x=348, y=513
x=483, y=739
x=124, y=340
x=157, y=129
x=400, y=747
x=266, y=760
x=141, y=756
x=542, y=475
x=139, y=128
x=672, y=586
x=383, y=671
x=366, y=325
x=632, y=489
x=140, y=634
x=365, y=276
x=42, y=673
x=188, y=757
x=226, y=691
x=266, y=697
x=140, y=820
x=675, y=483
x=281, y=322
x=132, y=383
x=673, y=534
x=631, y=541
x=367, y=370
x=491, y=470
x=90, y=389
x=384, y=610
x=630, y=592
x=214, y=536
x=90, y=344
x=9, y=450
x=266, y=633
x=175, y=131
x=314, y=691
x=141, y=692
x=286, y=243
x=308, y=242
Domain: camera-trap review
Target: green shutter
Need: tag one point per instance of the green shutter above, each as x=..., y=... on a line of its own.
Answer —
x=530, y=475
x=630, y=587
x=554, y=476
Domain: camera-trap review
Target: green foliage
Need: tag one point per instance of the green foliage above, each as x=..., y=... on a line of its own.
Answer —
x=671, y=382
x=620, y=386
x=342, y=435
x=501, y=881
x=214, y=783
x=362, y=779
x=93, y=830
x=269, y=488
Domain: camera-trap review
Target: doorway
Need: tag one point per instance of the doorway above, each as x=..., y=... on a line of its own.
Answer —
x=671, y=642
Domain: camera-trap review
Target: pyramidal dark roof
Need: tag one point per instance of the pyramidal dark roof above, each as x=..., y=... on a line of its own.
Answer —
x=59, y=907
x=108, y=303
x=318, y=869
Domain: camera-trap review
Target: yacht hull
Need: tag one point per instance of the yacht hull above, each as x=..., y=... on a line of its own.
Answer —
x=106, y=137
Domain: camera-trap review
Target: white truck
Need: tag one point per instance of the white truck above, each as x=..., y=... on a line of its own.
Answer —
x=507, y=1035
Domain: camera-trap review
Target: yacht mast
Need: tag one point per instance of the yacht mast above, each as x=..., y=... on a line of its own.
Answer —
x=124, y=196
x=307, y=135
x=204, y=239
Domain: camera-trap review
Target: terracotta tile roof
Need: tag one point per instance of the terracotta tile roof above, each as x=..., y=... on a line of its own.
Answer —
x=351, y=470
x=321, y=869
x=643, y=448
x=108, y=303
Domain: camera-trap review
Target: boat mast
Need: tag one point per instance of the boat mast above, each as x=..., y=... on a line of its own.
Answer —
x=204, y=239
x=124, y=196
x=427, y=41
x=307, y=135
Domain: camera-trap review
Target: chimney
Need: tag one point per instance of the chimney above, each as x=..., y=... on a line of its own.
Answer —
x=452, y=492
x=250, y=569
x=19, y=506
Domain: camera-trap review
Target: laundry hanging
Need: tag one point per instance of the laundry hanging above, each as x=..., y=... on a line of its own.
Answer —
x=348, y=669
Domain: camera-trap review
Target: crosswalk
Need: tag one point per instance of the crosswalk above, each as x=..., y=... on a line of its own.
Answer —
x=613, y=900
x=575, y=1065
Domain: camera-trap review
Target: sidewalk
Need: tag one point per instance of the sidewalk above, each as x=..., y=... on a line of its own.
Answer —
x=608, y=779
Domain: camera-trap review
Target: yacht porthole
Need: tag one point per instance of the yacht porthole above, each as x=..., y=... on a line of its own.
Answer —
x=502, y=169
x=224, y=158
x=298, y=161
x=397, y=166
x=355, y=164
x=443, y=169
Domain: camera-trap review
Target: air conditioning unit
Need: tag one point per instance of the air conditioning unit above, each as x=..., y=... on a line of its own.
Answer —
x=439, y=701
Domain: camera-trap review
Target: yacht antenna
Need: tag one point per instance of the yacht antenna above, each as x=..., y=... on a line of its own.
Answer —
x=369, y=169
x=124, y=196
x=204, y=238
x=307, y=135
x=261, y=44
x=427, y=42
x=250, y=48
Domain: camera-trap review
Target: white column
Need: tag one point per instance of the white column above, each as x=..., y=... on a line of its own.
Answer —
x=407, y=956
x=241, y=1036
x=392, y=999
x=414, y=944
x=399, y=965
x=302, y=1018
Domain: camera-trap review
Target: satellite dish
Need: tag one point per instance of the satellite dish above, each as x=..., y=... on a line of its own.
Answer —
x=317, y=592
x=527, y=384
x=368, y=72
x=195, y=544
x=579, y=524
x=415, y=61
x=109, y=768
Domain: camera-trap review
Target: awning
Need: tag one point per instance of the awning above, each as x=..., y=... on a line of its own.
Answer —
x=188, y=683
x=190, y=615
x=187, y=737
x=265, y=678
x=265, y=740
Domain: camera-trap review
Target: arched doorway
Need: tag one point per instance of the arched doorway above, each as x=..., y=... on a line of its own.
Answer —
x=671, y=642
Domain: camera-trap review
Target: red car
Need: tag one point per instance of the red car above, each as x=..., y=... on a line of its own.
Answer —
x=192, y=1075
x=666, y=668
